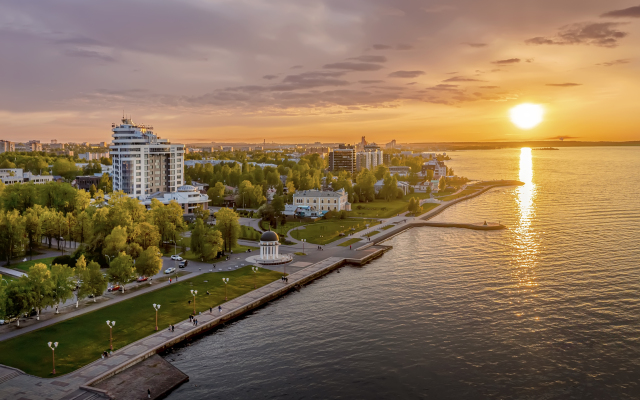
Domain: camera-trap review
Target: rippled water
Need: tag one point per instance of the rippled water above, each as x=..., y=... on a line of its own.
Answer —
x=548, y=309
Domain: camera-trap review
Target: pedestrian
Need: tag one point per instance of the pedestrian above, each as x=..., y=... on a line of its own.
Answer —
x=207, y=292
x=172, y=328
x=148, y=393
x=169, y=280
x=220, y=308
x=210, y=310
x=349, y=247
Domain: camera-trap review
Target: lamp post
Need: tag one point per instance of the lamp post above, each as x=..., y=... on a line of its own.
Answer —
x=194, y=293
x=303, y=240
x=53, y=346
x=255, y=276
x=111, y=325
x=225, y=281
x=157, y=308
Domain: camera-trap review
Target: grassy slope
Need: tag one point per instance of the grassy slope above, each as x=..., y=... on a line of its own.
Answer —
x=350, y=242
x=83, y=338
x=24, y=266
x=330, y=230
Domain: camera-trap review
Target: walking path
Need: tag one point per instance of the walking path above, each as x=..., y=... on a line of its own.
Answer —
x=16, y=385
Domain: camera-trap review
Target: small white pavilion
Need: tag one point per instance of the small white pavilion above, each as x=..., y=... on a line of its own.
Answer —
x=269, y=243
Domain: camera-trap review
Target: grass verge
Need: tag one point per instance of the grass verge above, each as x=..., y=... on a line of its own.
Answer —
x=24, y=266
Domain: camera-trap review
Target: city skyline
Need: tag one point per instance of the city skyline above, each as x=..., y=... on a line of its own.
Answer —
x=292, y=72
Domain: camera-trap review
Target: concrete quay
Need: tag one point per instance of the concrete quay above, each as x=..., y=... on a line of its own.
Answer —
x=81, y=384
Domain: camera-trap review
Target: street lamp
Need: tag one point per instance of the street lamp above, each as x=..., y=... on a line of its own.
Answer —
x=53, y=346
x=255, y=276
x=194, y=293
x=111, y=325
x=157, y=308
x=225, y=281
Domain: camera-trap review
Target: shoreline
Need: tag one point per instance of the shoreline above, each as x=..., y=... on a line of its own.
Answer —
x=15, y=383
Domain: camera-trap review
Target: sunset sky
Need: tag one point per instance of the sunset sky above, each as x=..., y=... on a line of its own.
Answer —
x=312, y=70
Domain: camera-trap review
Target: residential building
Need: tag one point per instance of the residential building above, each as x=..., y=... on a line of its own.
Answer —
x=342, y=159
x=227, y=148
x=399, y=170
x=322, y=201
x=391, y=144
x=93, y=156
x=143, y=163
x=438, y=168
x=9, y=176
x=85, y=182
x=6, y=146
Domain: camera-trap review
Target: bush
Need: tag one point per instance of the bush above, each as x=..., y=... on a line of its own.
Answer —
x=65, y=260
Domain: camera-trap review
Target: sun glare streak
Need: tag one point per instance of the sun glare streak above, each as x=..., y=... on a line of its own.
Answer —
x=525, y=256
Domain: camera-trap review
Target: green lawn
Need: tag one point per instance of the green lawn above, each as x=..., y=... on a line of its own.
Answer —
x=384, y=228
x=382, y=208
x=326, y=231
x=350, y=242
x=82, y=339
x=372, y=233
x=249, y=233
x=24, y=266
x=428, y=207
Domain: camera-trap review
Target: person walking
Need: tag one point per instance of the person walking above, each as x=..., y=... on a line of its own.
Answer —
x=148, y=393
x=220, y=309
x=172, y=328
x=210, y=310
x=349, y=247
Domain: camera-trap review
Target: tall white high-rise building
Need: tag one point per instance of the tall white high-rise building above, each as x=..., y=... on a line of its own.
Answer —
x=144, y=164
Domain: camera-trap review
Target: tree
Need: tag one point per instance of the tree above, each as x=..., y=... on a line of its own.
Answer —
x=365, y=185
x=121, y=270
x=146, y=235
x=12, y=234
x=81, y=201
x=197, y=237
x=381, y=171
x=41, y=287
x=61, y=277
x=229, y=226
x=92, y=190
x=212, y=244
x=149, y=263
x=105, y=184
x=389, y=188
x=278, y=205
x=442, y=184
x=116, y=242
x=65, y=168
x=167, y=218
x=83, y=229
x=216, y=193
x=33, y=228
x=18, y=298
x=94, y=282
x=80, y=273
x=201, y=213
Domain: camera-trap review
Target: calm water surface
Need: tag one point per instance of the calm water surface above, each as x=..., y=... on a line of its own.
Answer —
x=548, y=309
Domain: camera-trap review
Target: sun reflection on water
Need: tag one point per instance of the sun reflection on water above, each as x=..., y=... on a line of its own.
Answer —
x=525, y=241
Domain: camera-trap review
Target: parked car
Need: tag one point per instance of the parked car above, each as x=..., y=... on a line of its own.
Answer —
x=183, y=264
x=142, y=279
x=176, y=257
x=114, y=288
x=169, y=270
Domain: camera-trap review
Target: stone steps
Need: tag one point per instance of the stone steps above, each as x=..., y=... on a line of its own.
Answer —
x=9, y=375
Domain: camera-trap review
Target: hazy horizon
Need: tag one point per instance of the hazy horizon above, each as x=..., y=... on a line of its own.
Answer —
x=319, y=70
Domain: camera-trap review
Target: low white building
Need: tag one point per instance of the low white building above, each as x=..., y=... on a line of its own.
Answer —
x=9, y=176
x=438, y=168
x=319, y=200
x=187, y=196
x=93, y=156
x=399, y=170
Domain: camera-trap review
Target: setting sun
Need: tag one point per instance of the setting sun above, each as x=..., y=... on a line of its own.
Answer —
x=526, y=116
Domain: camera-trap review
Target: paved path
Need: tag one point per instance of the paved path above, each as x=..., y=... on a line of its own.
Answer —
x=17, y=385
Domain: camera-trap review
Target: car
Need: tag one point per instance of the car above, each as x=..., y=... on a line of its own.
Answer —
x=142, y=279
x=114, y=288
x=176, y=257
x=183, y=264
x=169, y=270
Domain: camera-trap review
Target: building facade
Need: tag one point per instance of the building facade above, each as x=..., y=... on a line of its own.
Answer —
x=438, y=168
x=144, y=164
x=342, y=159
x=9, y=176
x=319, y=200
x=6, y=146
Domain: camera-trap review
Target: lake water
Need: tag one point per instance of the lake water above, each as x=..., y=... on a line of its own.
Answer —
x=548, y=309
